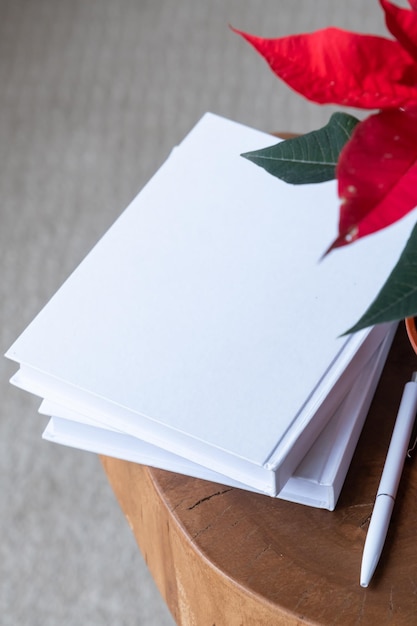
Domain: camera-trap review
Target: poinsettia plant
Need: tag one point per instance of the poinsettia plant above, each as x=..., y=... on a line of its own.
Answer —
x=374, y=160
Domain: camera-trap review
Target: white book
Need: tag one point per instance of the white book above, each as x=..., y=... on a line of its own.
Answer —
x=317, y=481
x=202, y=322
x=101, y=413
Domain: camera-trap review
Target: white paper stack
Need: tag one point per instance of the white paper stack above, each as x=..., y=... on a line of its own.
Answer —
x=202, y=334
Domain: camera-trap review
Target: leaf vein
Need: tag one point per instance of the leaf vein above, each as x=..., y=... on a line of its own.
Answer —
x=295, y=160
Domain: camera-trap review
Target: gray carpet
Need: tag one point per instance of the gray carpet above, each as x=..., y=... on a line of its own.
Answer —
x=93, y=94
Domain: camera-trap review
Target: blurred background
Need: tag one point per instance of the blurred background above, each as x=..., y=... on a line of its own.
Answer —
x=93, y=95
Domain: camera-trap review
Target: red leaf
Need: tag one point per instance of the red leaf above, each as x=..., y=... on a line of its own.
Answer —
x=377, y=174
x=402, y=23
x=334, y=66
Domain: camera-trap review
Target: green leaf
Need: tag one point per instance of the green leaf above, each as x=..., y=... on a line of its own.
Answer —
x=398, y=297
x=310, y=158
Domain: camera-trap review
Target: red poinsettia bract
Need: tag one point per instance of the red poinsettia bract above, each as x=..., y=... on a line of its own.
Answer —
x=377, y=169
x=377, y=174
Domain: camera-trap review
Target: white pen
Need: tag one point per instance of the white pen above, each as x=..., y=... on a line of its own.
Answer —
x=387, y=490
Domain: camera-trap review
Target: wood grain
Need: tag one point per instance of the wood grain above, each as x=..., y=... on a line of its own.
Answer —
x=226, y=557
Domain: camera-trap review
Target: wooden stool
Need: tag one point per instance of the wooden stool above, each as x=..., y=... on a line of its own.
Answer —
x=226, y=557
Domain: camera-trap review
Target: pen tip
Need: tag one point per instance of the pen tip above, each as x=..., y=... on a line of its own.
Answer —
x=364, y=584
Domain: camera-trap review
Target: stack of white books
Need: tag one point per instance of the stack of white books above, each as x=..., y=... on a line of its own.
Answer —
x=203, y=335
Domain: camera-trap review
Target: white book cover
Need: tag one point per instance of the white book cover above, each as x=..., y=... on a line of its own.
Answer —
x=203, y=322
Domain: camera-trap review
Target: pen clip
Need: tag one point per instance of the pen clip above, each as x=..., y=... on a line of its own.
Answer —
x=413, y=445
x=413, y=442
x=413, y=439
x=412, y=448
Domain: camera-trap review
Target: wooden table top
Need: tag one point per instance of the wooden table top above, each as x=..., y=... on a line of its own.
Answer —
x=225, y=557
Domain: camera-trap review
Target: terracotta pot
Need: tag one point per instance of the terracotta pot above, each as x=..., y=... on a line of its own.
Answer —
x=410, y=324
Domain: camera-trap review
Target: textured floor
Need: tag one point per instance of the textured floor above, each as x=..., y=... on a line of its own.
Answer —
x=93, y=94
